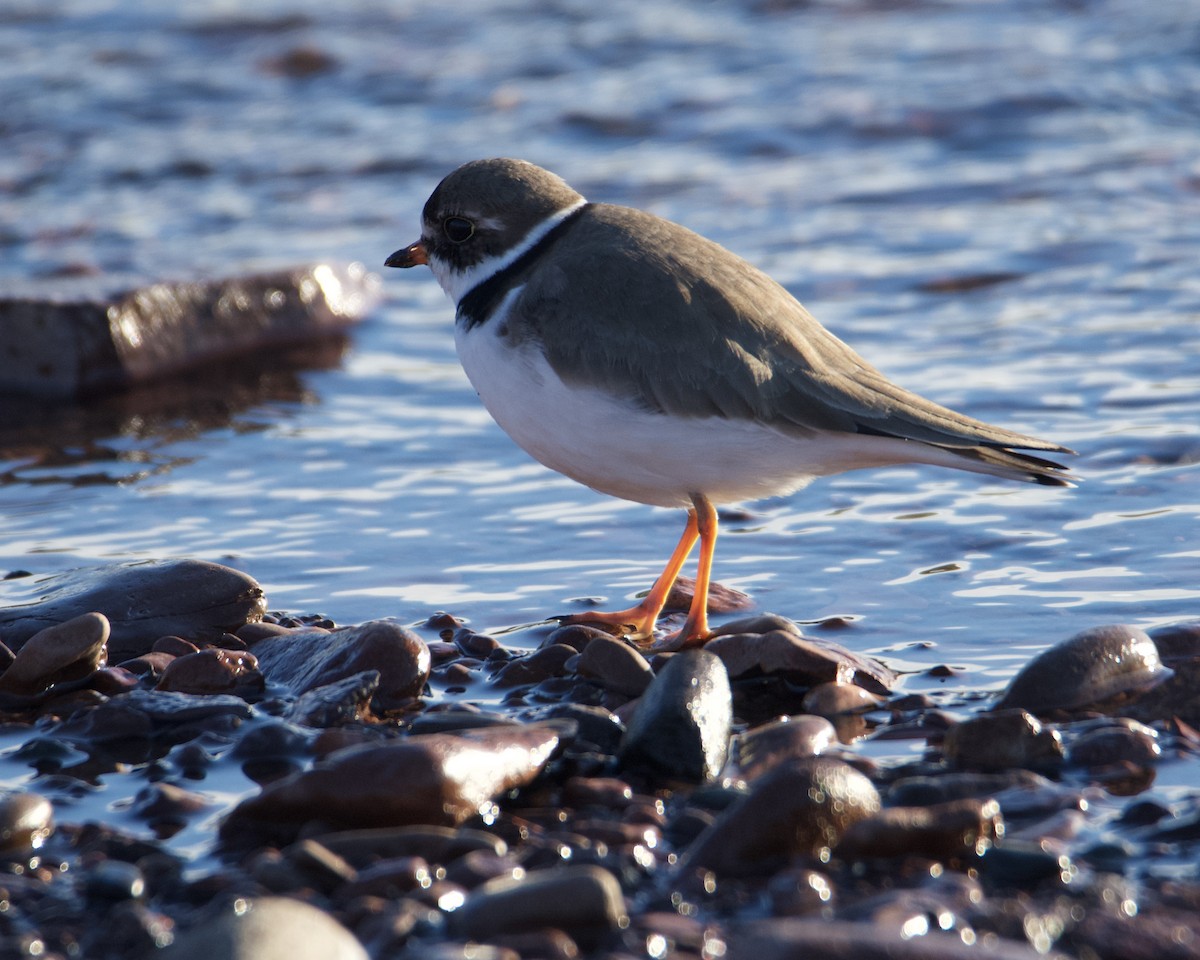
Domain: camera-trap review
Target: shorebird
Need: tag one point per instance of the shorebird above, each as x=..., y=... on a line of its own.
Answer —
x=650, y=363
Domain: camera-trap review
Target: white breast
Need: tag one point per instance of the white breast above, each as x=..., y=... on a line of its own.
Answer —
x=597, y=438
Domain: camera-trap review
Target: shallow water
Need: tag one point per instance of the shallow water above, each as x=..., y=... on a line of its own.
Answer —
x=996, y=203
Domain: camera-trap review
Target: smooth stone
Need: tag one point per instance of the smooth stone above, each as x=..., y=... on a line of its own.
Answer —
x=796, y=892
x=584, y=901
x=615, y=665
x=437, y=845
x=306, y=659
x=1087, y=670
x=1177, y=641
x=1118, y=743
x=681, y=728
x=1176, y=698
x=267, y=928
x=927, y=791
x=104, y=339
x=790, y=938
x=959, y=830
x=337, y=703
x=1002, y=740
x=114, y=880
x=762, y=748
x=438, y=779
x=577, y=635
x=143, y=600
x=801, y=808
x=213, y=671
x=835, y=699
x=535, y=667
x=166, y=803
x=721, y=599
x=65, y=651
x=26, y=820
x=803, y=660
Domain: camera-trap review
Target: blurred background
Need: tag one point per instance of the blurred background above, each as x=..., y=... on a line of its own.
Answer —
x=998, y=203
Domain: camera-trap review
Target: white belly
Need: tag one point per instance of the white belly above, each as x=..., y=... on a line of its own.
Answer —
x=596, y=438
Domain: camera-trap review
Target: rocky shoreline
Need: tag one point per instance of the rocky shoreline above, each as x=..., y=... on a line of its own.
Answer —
x=429, y=791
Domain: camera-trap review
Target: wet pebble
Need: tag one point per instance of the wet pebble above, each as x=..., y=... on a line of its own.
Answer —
x=213, y=671
x=681, y=727
x=584, y=901
x=1087, y=670
x=761, y=748
x=267, y=928
x=436, y=845
x=142, y=600
x=786, y=939
x=65, y=651
x=306, y=659
x=535, y=667
x=961, y=829
x=787, y=652
x=615, y=665
x=800, y=808
x=1003, y=740
x=1116, y=743
x=834, y=699
x=26, y=820
x=337, y=703
x=114, y=880
x=433, y=779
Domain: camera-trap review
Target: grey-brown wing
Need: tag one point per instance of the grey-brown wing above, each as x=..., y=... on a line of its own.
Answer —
x=692, y=330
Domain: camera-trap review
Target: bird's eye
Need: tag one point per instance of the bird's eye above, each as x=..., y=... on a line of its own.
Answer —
x=458, y=229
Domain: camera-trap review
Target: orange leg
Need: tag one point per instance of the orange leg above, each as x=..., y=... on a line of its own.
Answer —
x=695, y=628
x=641, y=618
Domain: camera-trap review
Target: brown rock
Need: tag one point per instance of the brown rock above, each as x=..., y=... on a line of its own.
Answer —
x=801, y=808
x=65, y=651
x=213, y=671
x=143, y=600
x=26, y=820
x=584, y=901
x=1002, y=740
x=721, y=599
x=787, y=939
x=1092, y=669
x=762, y=748
x=946, y=831
x=806, y=660
x=306, y=659
x=439, y=779
x=835, y=699
x=107, y=339
x=615, y=665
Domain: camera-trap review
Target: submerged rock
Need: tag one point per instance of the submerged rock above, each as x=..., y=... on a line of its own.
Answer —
x=64, y=347
x=142, y=600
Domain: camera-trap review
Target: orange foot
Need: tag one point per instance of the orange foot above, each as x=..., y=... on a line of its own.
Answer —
x=637, y=623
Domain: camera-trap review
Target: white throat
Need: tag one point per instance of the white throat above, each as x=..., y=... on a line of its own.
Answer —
x=458, y=283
